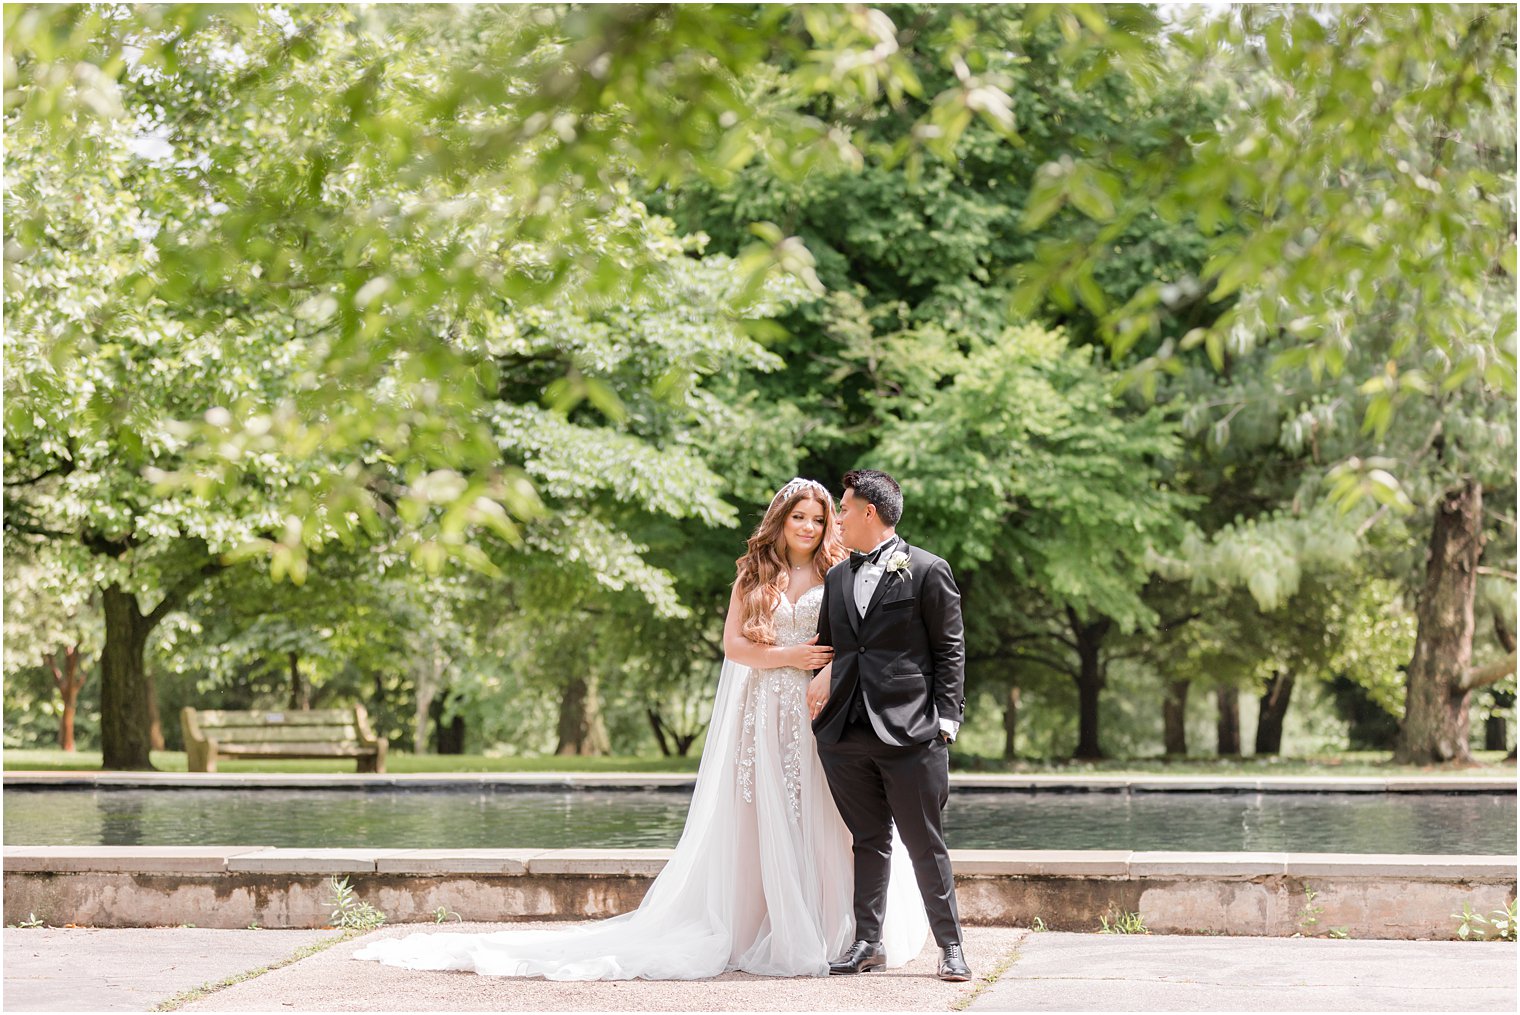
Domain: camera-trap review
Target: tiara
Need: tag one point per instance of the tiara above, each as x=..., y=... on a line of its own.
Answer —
x=798, y=484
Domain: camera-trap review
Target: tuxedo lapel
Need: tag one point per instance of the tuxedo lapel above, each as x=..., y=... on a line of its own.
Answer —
x=847, y=596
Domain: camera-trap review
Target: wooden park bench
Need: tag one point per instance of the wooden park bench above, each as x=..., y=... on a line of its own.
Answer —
x=316, y=733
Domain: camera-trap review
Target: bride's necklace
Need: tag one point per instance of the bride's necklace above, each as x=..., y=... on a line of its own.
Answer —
x=791, y=579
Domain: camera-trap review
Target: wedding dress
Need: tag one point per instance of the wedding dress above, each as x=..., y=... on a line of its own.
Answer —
x=762, y=879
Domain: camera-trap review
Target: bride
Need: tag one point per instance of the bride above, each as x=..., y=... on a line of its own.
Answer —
x=762, y=878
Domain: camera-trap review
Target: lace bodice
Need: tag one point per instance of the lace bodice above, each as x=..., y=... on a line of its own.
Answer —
x=796, y=624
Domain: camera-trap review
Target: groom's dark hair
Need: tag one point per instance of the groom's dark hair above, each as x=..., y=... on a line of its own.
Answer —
x=879, y=489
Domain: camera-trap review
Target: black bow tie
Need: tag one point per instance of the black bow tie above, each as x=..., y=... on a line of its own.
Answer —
x=857, y=558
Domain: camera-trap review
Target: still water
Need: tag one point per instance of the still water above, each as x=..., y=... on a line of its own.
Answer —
x=452, y=818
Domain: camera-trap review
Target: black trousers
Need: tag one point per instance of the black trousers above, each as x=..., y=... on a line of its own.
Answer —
x=875, y=784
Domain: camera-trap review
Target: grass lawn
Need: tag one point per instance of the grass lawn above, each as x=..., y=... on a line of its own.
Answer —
x=396, y=763
x=1379, y=763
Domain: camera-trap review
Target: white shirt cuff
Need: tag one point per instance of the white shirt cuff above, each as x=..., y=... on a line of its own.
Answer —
x=951, y=727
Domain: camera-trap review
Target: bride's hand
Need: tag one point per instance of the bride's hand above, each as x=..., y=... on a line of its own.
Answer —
x=812, y=656
x=818, y=693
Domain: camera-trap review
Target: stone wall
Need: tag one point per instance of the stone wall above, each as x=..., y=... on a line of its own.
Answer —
x=1258, y=894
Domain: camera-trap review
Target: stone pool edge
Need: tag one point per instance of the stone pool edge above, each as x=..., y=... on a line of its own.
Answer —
x=1257, y=894
x=960, y=781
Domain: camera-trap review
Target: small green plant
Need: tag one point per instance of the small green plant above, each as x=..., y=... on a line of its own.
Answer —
x=1123, y=923
x=348, y=912
x=1470, y=924
x=1340, y=933
x=1308, y=917
x=1475, y=926
x=31, y=922
x=442, y=914
x=187, y=926
x=1038, y=925
x=254, y=926
x=1503, y=922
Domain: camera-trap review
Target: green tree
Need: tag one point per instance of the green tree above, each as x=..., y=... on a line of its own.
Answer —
x=1359, y=189
x=52, y=628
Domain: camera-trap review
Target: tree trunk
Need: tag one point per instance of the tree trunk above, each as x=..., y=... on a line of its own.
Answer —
x=1229, y=722
x=1090, y=681
x=1011, y=723
x=657, y=724
x=1495, y=733
x=581, y=730
x=448, y=737
x=126, y=712
x=381, y=719
x=70, y=679
x=128, y=706
x=300, y=689
x=421, y=719
x=429, y=678
x=1368, y=726
x=670, y=738
x=451, y=736
x=1435, y=727
x=155, y=722
x=70, y=707
x=1496, y=729
x=1174, y=717
x=1274, y=708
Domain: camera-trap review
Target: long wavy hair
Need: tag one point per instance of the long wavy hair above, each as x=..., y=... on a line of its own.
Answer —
x=763, y=573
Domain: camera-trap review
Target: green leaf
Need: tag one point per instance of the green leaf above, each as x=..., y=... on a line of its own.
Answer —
x=1213, y=342
x=605, y=399
x=1378, y=416
x=1234, y=275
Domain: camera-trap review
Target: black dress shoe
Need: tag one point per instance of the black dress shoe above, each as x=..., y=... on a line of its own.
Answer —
x=952, y=965
x=862, y=957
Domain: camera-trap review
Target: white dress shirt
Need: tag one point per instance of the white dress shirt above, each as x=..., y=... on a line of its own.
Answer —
x=867, y=577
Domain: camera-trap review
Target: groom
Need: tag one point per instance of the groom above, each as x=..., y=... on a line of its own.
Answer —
x=893, y=706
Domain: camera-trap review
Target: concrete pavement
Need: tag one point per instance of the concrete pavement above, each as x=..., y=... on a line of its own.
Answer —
x=1101, y=972
x=136, y=970
x=85, y=969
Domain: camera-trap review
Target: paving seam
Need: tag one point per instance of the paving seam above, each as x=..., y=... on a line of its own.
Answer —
x=212, y=987
x=984, y=983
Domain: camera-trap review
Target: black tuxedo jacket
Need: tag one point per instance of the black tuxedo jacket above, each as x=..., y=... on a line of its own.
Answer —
x=907, y=654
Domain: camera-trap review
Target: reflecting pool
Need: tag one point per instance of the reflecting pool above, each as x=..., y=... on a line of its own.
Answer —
x=436, y=818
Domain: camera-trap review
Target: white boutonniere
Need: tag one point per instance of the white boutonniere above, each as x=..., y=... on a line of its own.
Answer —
x=898, y=564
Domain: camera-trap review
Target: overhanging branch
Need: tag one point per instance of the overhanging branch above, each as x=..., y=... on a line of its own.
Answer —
x=181, y=589
x=1490, y=674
